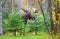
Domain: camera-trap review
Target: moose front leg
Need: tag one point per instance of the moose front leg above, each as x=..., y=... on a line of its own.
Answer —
x=25, y=21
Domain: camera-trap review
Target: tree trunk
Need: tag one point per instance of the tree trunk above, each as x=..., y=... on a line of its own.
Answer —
x=43, y=16
x=50, y=12
x=1, y=18
x=19, y=4
x=27, y=5
x=57, y=17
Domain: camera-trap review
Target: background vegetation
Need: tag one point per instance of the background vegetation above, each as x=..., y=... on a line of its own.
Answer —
x=45, y=26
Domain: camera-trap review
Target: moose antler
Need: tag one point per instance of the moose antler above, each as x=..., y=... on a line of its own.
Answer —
x=24, y=10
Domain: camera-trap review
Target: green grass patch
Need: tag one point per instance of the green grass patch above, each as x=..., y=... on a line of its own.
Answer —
x=41, y=36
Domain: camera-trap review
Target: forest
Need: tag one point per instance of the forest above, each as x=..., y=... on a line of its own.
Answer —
x=29, y=19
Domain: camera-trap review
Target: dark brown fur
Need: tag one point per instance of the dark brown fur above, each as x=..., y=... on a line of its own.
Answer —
x=27, y=16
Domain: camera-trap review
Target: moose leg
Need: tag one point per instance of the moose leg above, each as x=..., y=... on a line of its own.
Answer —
x=25, y=21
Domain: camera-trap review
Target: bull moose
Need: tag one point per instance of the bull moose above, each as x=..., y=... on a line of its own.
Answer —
x=27, y=16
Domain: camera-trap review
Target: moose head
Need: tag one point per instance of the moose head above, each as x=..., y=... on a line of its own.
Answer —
x=27, y=16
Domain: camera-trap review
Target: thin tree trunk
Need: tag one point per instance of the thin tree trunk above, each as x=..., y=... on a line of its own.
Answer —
x=50, y=12
x=1, y=18
x=43, y=17
x=27, y=4
x=19, y=4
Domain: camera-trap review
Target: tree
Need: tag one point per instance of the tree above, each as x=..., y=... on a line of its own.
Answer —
x=6, y=8
x=50, y=12
x=1, y=31
x=43, y=16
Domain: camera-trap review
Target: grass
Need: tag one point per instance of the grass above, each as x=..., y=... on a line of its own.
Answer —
x=41, y=36
x=23, y=37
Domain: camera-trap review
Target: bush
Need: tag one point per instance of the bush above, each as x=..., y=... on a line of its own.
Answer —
x=14, y=22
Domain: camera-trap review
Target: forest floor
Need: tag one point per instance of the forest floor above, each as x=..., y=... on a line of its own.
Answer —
x=41, y=36
x=24, y=37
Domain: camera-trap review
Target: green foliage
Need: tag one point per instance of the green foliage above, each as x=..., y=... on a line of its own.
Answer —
x=13, y=22
x=5, y=25
x=38, y=23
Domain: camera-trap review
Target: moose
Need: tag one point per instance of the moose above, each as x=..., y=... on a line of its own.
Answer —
x=27, y=16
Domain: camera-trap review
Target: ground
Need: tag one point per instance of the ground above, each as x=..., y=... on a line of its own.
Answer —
x=41, y=36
